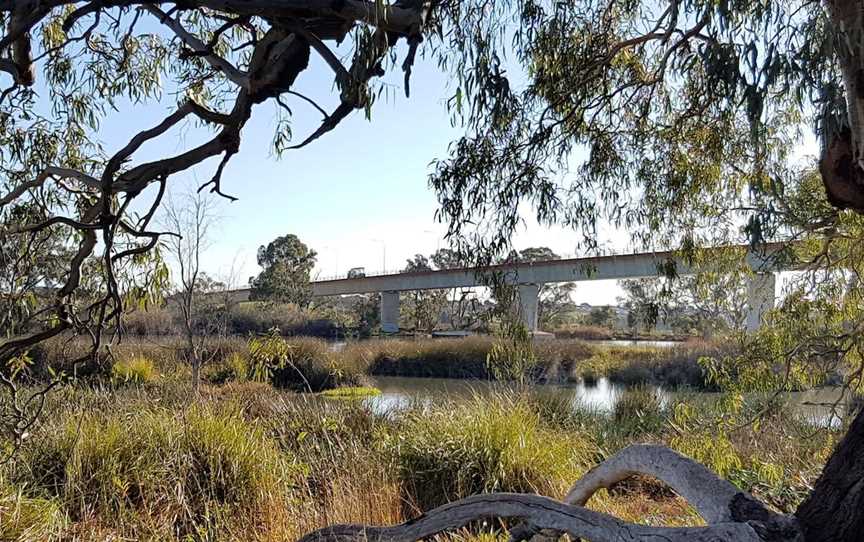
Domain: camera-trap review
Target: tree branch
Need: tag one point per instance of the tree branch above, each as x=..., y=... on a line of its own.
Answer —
x=709, y=494
x=238, y=77
x=540, y=511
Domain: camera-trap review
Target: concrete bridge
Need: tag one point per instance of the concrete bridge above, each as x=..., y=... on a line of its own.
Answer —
x=530, y=276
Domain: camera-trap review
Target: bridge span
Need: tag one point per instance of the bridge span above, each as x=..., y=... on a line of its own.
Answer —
x=530, y=276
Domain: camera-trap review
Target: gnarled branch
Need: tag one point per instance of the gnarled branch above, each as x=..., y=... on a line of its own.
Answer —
x=235, y=75
x=543, y=512
x=709, y=494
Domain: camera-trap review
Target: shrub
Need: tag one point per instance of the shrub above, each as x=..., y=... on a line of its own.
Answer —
x=235, y=368
x=482, y=446
x=303, y=364
x=135, y=370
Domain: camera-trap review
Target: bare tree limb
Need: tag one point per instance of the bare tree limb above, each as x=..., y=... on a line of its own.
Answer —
x=709, y=494
x=541, y=511
x=48, y=173
x=236, y=76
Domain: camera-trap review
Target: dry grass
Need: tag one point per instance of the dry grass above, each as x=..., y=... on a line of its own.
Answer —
x=245, y=462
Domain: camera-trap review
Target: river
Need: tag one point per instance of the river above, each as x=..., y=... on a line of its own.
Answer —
x=399, y=392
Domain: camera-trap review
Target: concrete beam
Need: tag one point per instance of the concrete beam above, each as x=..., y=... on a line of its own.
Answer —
x=580, y=269
x=390, y=312
x=528, y=304
x=761, y=295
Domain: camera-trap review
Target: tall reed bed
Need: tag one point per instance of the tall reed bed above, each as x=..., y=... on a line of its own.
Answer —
x=245, y=462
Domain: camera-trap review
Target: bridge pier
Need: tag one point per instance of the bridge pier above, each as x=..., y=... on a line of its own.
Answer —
x=528, y=303
x=390, y=312
x=761, y=293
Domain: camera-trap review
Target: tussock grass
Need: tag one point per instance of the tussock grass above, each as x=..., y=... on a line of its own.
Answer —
x=158, y=473
x=135, y=370
x=23, y=519
x=483, y=446
x=442, y=358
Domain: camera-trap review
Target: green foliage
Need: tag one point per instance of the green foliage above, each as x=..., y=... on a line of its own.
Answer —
x=481, y=447
x=235, y=368
x=304, y=364
x=287, y=263
x=200, y=466
x=422, y=308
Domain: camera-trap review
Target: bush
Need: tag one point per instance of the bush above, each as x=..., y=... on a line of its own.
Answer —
x=303, y=364
x=135, y=370
x=482, y=446
x=235, y=368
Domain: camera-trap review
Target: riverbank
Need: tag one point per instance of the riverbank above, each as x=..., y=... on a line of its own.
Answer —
x=247, y=462
x=307, y=364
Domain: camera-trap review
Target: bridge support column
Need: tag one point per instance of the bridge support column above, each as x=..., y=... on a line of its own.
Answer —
x=390, y=312
x=761, y=292
x=528, y=294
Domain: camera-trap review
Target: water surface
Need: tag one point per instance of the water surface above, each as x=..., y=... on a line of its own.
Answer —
x=815, y=406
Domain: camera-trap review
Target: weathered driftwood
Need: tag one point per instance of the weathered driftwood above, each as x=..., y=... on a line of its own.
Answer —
x=731, y=515
x=713, y=497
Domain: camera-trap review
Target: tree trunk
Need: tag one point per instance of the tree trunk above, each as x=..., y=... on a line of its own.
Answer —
x=842, y=162
x=834, y=511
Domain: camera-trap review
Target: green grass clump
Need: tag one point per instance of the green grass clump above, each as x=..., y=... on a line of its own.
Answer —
x=235, y=368
x=351, y=392
x=440, y=358
x=23, y=519
x=638, y=410
x=134, y=370
x=483, y=446
x=158, y=473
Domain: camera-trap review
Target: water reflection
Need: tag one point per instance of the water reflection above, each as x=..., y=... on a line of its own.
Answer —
x=819, y=407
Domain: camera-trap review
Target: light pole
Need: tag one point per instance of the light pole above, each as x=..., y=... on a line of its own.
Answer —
x=383, y=254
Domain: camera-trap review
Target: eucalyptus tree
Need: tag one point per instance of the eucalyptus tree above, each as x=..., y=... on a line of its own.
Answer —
x=423, y=307
x=287, y=264
x=69, y=67
x=676, y=121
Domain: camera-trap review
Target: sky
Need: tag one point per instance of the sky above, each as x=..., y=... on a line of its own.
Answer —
x=359, y=196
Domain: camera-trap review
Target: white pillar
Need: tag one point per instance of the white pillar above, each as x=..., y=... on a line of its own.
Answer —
x=528, y=294
x=390, y=312
x=761, y=293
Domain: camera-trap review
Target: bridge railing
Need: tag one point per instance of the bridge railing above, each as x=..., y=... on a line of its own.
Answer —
x=388, y=272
